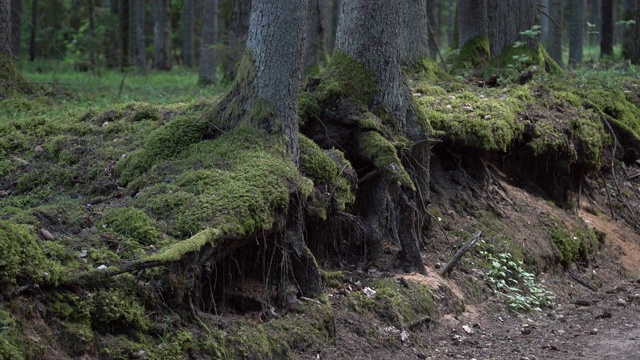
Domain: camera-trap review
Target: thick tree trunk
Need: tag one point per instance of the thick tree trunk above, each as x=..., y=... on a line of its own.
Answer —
x=635, y=55
x=576, y=32
x=506, y=20
x=5, y=29
x=472, y=20
x=34, y=27
x=124, y=33
x=16, y=20
x=369, y=33
x=333, y=29
x=414, y=33
x=141, y=55
x=208, y=63
x=187, y=33
x=314, y=34
x=556, y=12
x=606, y=37
x=161, y=35
x=545, y=23
x=627, y=34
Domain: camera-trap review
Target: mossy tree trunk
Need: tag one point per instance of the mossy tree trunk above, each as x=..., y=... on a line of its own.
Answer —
x=369, y=33
x=161, y=35
x=472, y=33
x=208, y=63
x=576, y=32
x=556, y=12
x=506, y=20
x=414, y=34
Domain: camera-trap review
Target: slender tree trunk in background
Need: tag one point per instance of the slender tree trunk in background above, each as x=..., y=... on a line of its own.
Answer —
x=112, y=48
x=369, y=32
x=576, y=32
x=161, y=35
x=606, y=36
x=133, y=55
x=123, y=27
x=34, y=28
x=6, y=40
x=472, y=20
x=434, y=25
x=314, y=34
x=414, y=32
x=208, y=63
x=333, y=29
x=556, y=11
x=545, y=23
x=141, y=54
x=507, y=19
x=91, y=34
x=16, y=20
x=451, y=22
x=235, y=37
x=187, y=33
x=627, y=34
x=635, y=55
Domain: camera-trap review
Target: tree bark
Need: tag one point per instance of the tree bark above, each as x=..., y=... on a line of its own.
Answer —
x=16, y=20
x=414, y=34
x=506, y=20
x=124, y=33
x=576, y=32
x=628, y=32
x=333, y=29
x=5, y=29
x=161, y=35
x=434, y=25
x=635, y=55
x=91, y=34
x=556, y=12
x=606, y=37
x=472, y=20
x=187, y=33
x=235, y=37
x=141, y=55
x=314, y=34
x=369, y=33
x=208, y=63
x=34, y=26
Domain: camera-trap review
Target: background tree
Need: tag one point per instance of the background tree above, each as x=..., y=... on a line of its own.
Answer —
x=506, y=20
x=187, y=33
x=9, y=76
x=635, y=54
x=630, y=8
x=34, y=27
x=556, y=12
x=434, y=26
x=208, y=63
x=140, y=48
x=314, y=35
x=161, y=35
x=16, y=20
x=414, y=34
x=576, y=32
x=236, y=19
x=124, y=27
x=606, y=33
x=472, y=32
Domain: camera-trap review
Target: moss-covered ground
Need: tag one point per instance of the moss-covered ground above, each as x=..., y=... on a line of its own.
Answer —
x=100, y=170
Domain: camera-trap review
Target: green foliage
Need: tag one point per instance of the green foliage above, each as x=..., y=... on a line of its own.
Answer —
x=570, y=246
x=133, y=223
x=510, y=280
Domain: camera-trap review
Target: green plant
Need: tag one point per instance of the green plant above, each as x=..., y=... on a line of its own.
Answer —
x=521, y=59
x=511, y=281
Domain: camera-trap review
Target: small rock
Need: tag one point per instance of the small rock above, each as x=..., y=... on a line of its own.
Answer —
x=123, y=156
x=404, y=336
x=417, y=94
x=38, y=149
x=593, y=331
x=452, y=97
x=482, y=96
x=621, y=302
x=467, y=329
x=46, y=234
x=449, y=107
x=140, y=354
x=369, y=292
x=487, y=117
x=83, y=253
x=467, y=108
x=437, y=265
x=45, y=275
x=105, y=123
x=102, y=267
x=633, y=297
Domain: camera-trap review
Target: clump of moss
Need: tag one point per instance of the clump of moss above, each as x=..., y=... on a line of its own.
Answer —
x=474, y=53
x=405, y=304
x=23, y=260
x=133, y=223
x=570, y=246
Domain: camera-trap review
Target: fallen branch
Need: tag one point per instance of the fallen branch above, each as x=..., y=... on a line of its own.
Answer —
x=463, y=250
x=580, y=281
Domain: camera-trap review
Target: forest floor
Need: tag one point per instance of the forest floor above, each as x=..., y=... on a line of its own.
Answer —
x=61, y=147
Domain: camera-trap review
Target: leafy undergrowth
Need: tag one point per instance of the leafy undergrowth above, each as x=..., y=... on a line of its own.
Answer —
x=89, y=180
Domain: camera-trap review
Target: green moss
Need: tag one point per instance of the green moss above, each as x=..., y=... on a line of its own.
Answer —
x=133, y=223
x=23, y=260
x=489, y=123
x=475, y=52
x=405, y=304
x=427, y=69
x=616, y=105
x=385, y=158
x=570, y=246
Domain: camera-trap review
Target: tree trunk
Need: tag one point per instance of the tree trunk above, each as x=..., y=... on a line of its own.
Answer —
x=606, y=37
x=545, y=23
x=187, y=33
x=133, y=57
x=91, y=34
x=414, y=33
x=314, y=34
x=208, y=63
x=434, y=27
x=16, y=20
x=576, y=32
x=472, y=20
x=5, y=29
x=627, y=34
x=235, y=37
x=123, y=17
x=369, y=33
x=141, y=55
x=333, y=29
x=506, y=20
x=556, y=12
x=161, y=35
x=635, y=55
x=34, y=27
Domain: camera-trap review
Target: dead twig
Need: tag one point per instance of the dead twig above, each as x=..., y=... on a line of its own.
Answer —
x=580, y=281
x=463, y=250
